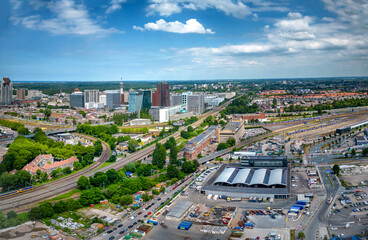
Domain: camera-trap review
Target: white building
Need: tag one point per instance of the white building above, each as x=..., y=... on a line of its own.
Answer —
x=91, y=96
x=213, y=101
x=94, y=105
x=163, y=114
x=103, y=98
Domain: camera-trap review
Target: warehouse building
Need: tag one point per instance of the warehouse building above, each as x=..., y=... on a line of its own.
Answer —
x=179, y=210
x=255, y=176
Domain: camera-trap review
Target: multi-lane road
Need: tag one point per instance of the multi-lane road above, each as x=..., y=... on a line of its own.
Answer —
x=24, y=201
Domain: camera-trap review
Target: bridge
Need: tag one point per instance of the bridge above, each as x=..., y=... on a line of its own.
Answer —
x=71, y=129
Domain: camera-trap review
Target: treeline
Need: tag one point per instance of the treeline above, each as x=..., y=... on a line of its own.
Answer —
x=118, y=188
x=336, y=104
x=11, y=219
x=15, y=126
x=241, y=106
x=134, y=130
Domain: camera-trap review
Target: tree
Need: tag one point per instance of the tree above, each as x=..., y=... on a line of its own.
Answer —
x=67, y=170
x=35, y=213
x=301, y=235
x=83, y=183
x=132, y=145
x=91, y=196
x=11, y=214
x=126, y=200
x=22, y=178
x=98, y=148
x=188, y=167
x=145, y=197
x=40, y=137
x=159, y=156
x=353, y=152
x=365, y=152
x=230, y=141
x=60, y=207
x=112, y=158
x=190, y=129
x=336, y=169
x=173, y=156
x=221, y=146
x=172, y=172
x=112, y=176
x=46, y=209
x=185, y=134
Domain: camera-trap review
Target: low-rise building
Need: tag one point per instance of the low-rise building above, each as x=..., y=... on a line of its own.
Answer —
x=46, y=163
x=140, y=121
x=199, y=143
x=234, y=129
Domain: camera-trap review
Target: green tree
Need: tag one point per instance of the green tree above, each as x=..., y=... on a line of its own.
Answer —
x=60, y=207
x=353, y=152
x=112, y=176
x=40, y=137
x=46, y=209
x=336, y=169
x=190, y=129
x=172, y=172
x=145, y=197
x=126, y=200
x=159, y=156
x=301, y=235
x=230, y=142
x=132, y=145
x=221, y=146
x=83, y=183
x=173, y=155
x=365, y=151
x=35, y=213
x=11, y=214
x=112, y=158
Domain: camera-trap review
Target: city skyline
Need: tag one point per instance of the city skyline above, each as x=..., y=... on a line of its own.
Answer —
x=69, y=40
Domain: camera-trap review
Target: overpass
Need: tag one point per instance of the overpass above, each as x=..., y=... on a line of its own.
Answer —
x=71, y=129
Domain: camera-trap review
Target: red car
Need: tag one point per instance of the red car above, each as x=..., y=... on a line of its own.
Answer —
x=149, y=213
x=139, y=213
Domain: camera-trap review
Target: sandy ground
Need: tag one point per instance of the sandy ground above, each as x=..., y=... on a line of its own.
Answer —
x=26, y=230
x=354, y=180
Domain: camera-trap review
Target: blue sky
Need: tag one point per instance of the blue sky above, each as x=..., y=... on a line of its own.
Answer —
x=104, y=40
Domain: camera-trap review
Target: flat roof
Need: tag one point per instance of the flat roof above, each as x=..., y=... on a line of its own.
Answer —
x=179, y=209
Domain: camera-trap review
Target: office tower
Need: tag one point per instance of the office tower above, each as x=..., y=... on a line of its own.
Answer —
x=135, y=101
x=184, y=97
x=195, y=103
x=76, y=99
x=21, y=94
x=176, y=100
x=6, y=91
x=91, y=96
x=161, y=97
x=146, y=99
x=103, y=98
x=113, y=98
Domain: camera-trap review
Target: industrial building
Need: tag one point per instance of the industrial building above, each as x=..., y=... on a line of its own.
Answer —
x=234, y=129
x=351, y=127
x=179, y=210
x=255, y=176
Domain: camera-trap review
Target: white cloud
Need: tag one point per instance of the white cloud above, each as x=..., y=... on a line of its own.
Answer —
x=71, y=18
x=354, y=12
x=15, y=4
x=190, y=26
x=114, y=5
x=168, y=7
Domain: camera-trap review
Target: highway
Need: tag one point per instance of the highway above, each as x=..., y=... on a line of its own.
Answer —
x=24, y=201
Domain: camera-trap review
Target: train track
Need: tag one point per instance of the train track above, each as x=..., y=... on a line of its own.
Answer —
x=24, y=201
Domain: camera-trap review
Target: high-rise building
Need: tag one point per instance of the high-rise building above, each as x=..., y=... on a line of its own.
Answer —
x=176, y=100
x=34, y=94
x=161, y=97
x=113, y=98
x=91, y=96
x=103, y=98
x=135, y=101
x=195, y=103
x=146, y=99
x=6, y=91
x=21, y=94
x=76, y=99
x=184, y=97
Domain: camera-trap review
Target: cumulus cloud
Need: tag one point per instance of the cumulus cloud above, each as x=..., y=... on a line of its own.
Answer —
x=190, y=26
x=114, y=6
x=71, y=18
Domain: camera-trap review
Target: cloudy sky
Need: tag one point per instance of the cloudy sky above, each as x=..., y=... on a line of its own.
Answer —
x=104, y=40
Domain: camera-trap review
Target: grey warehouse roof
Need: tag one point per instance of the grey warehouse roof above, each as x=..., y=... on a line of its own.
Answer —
x=179, y=209
x=251, y=176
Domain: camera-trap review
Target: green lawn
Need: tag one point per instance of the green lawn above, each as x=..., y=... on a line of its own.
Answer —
x=104, y=165
x=65, y=195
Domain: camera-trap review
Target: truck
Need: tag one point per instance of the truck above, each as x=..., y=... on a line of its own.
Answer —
x=209, y=196
x=235, y=199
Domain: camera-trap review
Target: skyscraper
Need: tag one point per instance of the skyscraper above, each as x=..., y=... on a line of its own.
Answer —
x=6, y=91
x=121, y=93
x=113, y=98
x=195, y=103
x=161, y=97
x=146, y=99
x=76, y=99
x=135, y=101
x=91, y=96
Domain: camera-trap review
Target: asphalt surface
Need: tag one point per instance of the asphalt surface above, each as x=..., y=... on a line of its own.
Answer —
x=126, y=222
x=321, y=216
